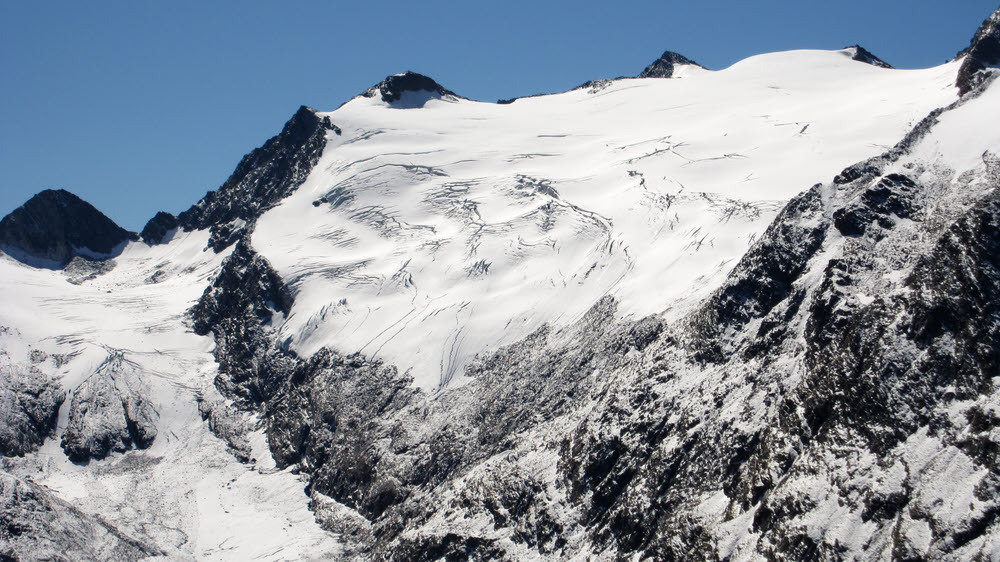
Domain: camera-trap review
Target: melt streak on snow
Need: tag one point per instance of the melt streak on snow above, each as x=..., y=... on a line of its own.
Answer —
x=425, y=236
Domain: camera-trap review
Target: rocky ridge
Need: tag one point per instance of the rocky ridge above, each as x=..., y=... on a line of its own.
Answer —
x=982, y=54
x=109, y=412
x=262, y=178
x=663, y=67
x=391, y=89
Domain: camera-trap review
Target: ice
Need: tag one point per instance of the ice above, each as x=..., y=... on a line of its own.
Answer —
x=426, y=236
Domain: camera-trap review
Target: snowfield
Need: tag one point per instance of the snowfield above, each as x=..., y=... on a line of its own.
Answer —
x=434, y=230
x=424, y=237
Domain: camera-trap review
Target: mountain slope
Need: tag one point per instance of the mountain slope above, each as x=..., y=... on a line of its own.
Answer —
x=648, y=190
x=745, y=314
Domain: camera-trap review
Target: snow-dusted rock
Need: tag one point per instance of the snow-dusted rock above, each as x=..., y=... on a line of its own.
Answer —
x=862, y=54
x=37, y=525
x=29, y=407
x=392, y=89
x=110, y=412
x=664, y=66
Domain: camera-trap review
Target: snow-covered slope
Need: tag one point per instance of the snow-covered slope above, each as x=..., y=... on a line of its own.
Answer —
x=426, y=237
x=738, y=314
x=185, y=493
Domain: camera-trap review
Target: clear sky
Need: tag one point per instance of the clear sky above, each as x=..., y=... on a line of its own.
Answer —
x=145, y=106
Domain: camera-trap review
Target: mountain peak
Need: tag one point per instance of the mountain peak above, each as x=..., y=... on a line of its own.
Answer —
x=982, y=53
x=663, y=67
x=393, y=87
x=56, y=225
x=262, y=178
x=861, y=54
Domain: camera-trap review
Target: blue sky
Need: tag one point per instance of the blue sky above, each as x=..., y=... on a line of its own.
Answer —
x=145, y=106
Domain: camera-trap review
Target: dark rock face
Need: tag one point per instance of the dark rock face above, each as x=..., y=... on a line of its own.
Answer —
x=56, y=225
x=982, y=53
x=391, y=89
x=663, y=67
x=36, y=525
x=864, y=55
x=29, y=408
x=237, y=308
x=763, y=278
x=109, y=412
x=158, y=227
x=263, y=178
x=891, y=197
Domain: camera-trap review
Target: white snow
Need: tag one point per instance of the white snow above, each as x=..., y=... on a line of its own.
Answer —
x=186, y=492
x=461, y=226
x=451, y=228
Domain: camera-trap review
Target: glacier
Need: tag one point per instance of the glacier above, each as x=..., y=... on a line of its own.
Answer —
x=737, y=314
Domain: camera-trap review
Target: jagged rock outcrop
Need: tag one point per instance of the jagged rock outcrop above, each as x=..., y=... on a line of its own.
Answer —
x=864, y=55
x=37, y=525
x=29, y=407
x=265, y=176
x=110, y=412
x=158, y=227
x=981, y=54
x=56, y=225
x=391, y=89
x=237, y=308
x=664, y=66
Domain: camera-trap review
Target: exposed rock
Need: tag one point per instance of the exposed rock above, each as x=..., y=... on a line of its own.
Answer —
x=227, y=423
x=109, y=412
x=353, y=530
x=56, y=225
x=864, y=55
x=982, y=54
x=663, y=67
x=890, y=199
x=238, y=308
x=36, y=525
x=265, y=176
x=29, y=407
x=158, y=227
x=595, y=86
x=155, y=277
x=392, y=88
x=79, y=270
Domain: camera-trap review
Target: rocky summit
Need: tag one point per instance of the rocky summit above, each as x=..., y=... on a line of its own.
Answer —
x=663, y=67
x=55, y=225
x=736, y=315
